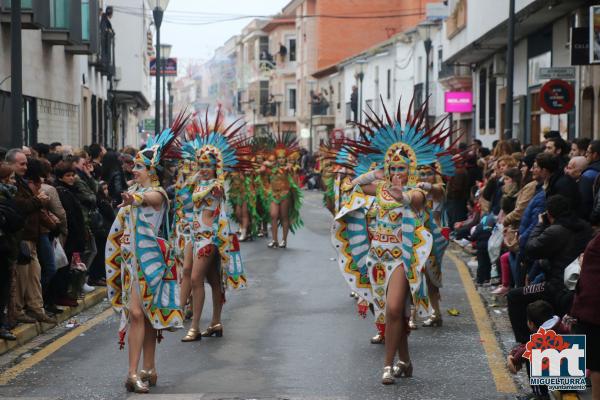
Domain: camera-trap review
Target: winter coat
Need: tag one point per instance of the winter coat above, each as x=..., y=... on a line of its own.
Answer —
x=11, y=223
x=77, y=232
x=557, y=245
x=523, y=198
x=587, y=295
x=29, y=206
x=536, y=206
x=116, y=185
x=56, y=208
x=566, y=186
x=586, y=189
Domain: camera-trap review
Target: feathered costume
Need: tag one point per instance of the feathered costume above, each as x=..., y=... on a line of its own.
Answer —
x=282, y=184
x=399, y=237
x=221, y=147
x=136, y=257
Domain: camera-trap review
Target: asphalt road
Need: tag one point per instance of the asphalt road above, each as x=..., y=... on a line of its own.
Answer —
x=293, y=334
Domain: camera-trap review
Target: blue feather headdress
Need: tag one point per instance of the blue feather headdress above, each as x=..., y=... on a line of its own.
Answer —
x=216, y=144
x=163, y=146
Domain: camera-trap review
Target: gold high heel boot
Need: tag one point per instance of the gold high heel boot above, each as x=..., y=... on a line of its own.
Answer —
x=378, y=339
x=434, y=320
x=403, y=368
x=192, y=335
x=412, y=322
x=214, y=330
x=134, y=384
x=150, y=376
x=388, y=376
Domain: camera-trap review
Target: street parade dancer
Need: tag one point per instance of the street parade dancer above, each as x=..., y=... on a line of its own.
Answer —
x=400, y=242
x=261, y=147
x=353, y=225
x=216, y=151
x=430, y=180
x=141, y=285
x=285, y=197
x=182, y=222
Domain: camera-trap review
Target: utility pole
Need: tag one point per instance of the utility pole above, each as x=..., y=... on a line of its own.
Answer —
x=427, y=44
x=16, y=71
x=157, y=13
x=510, y=64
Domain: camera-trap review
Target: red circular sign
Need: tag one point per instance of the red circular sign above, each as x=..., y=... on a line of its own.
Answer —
x=557, y=97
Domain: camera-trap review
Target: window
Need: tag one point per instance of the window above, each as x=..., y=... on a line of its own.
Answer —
x=292, y=49
x=482, y=97
x=85, y=20
x=292, y=99
x=389, y=84
x=440, y=56
x=264, y=97
x=492, y=110
x=59, y=14
x=339, y=95
x=263, y=45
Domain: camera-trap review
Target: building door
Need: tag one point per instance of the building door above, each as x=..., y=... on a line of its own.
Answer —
x=94, y=120
x=535, y=114
x=587, y=113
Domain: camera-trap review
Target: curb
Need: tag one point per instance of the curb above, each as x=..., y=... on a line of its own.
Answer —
x=26, y=332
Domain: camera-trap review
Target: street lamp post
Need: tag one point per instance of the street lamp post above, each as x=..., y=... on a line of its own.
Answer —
x=510, y=72
x=169, y=89
x=424, y=30
x=16, y=71
x=165, y=51
x=310, y=129
x=157, y=13
x=360, y=75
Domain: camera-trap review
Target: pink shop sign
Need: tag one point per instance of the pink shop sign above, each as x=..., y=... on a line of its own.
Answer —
x=458, y=102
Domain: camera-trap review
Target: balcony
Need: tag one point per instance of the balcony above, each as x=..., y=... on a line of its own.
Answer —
x=456, y=77
x=61, y=20
x=27, y=13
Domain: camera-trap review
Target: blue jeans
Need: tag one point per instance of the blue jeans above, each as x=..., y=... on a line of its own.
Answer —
x=46, y=257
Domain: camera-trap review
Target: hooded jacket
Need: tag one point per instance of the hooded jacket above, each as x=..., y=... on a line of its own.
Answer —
x=556, y=245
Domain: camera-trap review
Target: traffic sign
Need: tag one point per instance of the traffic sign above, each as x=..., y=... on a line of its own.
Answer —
x=557, y=97
x=564, y=73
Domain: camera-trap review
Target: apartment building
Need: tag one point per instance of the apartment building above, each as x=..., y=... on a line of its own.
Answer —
x=475, y=53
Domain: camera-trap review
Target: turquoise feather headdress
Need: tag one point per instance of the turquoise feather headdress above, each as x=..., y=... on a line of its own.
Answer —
x=163, y=146
x=215, y=143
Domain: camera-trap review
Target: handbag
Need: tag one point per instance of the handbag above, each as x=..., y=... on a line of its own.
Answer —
x=495, y=243
x=571, y=274
x=60, y=257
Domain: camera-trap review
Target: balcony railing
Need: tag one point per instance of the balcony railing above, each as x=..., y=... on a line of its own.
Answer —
x=450, y=71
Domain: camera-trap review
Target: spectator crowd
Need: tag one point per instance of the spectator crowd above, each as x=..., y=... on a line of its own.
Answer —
x=56, y=208
x=530, y=215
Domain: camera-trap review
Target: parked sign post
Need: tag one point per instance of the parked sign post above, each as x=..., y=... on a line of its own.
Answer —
x=557, y=97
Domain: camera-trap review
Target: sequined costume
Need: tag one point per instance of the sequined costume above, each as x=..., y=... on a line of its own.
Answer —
x=136, y=255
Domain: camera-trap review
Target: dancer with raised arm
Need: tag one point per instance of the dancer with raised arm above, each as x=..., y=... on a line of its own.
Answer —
x=141, y=286
x=216, y=150
x=400, y=241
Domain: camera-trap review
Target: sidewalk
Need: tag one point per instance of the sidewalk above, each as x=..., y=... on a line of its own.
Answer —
x=26, y=332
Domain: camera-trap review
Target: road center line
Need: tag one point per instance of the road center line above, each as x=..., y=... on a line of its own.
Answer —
x=27, y=363
x=504, y=382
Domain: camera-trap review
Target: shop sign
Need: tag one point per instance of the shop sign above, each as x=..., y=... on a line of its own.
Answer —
x=557, y=97
x=564, y=73
x=458, y=102
x=580, y=46
x=169, y=67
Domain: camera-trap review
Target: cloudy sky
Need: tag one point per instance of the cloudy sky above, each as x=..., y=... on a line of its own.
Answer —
x=196, y=28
